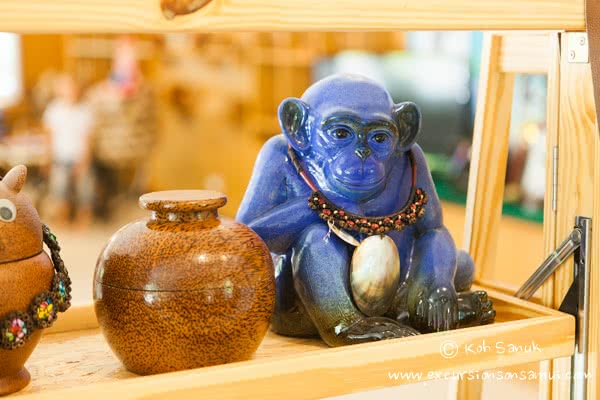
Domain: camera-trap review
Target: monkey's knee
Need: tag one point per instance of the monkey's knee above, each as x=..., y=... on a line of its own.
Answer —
x=465, y=271
x=317, y=251
x=320, y=266
x=316, y=236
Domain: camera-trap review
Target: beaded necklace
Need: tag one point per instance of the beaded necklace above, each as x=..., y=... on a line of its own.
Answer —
x=17, y=326
x=340, y=218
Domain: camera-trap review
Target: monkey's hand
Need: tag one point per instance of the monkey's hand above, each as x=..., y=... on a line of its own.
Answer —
x=436, y=309
x=372, y=329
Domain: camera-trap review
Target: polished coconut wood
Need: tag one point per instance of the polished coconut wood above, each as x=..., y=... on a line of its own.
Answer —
x=25, y=271
x=173, y=8
x=183, y=288
x=183, y=200
x=21, y=238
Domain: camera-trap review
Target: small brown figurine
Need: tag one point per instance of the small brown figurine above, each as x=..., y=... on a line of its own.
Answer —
x=33, y=288
x=173, y=8
x=184, y=289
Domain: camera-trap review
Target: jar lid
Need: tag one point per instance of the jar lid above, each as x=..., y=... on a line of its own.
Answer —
x=156, y=254
x=183, y=200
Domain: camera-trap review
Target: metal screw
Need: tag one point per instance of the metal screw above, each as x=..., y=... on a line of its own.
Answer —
x=582, y=41
x=572, y=54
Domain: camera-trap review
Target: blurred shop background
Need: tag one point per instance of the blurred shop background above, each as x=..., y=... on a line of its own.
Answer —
x=100, y=119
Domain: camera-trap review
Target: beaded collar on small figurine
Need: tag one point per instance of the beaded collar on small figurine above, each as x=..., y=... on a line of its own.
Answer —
x=328, y=211
x=16, y=327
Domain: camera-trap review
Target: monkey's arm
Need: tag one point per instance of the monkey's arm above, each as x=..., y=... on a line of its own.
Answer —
x=282, y=225
x=432, y=297
x=434, y=249
x=267, y=207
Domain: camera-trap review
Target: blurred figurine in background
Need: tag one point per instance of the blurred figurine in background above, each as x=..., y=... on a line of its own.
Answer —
x=70, y=125
x=125, y=134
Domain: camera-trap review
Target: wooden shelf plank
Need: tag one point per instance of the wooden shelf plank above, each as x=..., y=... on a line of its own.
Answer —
x=526, y=53
x=61, y=16
x=82, y=362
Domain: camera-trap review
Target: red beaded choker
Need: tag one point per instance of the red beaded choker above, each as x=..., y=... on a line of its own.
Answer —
x=328, y=211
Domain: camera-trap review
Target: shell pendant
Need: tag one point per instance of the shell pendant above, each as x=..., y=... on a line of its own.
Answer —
x=375, y=275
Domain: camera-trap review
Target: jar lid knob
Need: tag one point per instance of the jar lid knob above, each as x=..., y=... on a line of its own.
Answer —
x=183, y=200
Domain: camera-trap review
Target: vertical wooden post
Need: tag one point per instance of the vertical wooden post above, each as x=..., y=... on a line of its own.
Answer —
x=469, y=390
x=593, y=388
x=488, y=170
x=594, y=326
x=489, y=157
x=578, y=193
x=550, y=241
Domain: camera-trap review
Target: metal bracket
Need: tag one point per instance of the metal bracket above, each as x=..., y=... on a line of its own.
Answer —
x=577, y=47
x=576, y=302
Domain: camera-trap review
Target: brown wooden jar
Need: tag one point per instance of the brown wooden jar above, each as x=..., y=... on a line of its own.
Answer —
x=184, y=288
x=25, y=271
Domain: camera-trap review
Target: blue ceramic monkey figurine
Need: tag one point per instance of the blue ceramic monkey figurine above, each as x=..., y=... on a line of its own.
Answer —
x=346, y=204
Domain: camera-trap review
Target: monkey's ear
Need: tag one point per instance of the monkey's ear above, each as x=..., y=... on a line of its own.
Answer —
x=408, y=118
x=293, y=118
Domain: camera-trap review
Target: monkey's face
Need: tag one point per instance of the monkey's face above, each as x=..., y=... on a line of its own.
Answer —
x=355, y=153
x=347, y=129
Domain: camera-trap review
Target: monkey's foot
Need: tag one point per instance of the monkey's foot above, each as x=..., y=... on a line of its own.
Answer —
x=475, y=308
x=436, y=310
x=376, y=328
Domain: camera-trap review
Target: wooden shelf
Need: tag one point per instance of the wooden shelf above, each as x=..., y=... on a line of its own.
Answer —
x=73, y=361
x=61, y=16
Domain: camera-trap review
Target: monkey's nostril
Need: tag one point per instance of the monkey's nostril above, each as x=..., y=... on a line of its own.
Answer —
x=363, y=153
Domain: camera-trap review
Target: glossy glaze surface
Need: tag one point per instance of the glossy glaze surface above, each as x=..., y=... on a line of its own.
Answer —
x=184, y=287
x=353, y=144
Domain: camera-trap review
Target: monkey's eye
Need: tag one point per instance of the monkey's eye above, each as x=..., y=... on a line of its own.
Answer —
x=380, y=137
x=8, y=211
x=341, y=133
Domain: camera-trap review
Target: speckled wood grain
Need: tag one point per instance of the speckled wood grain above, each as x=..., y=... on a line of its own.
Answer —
x=184, y=288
